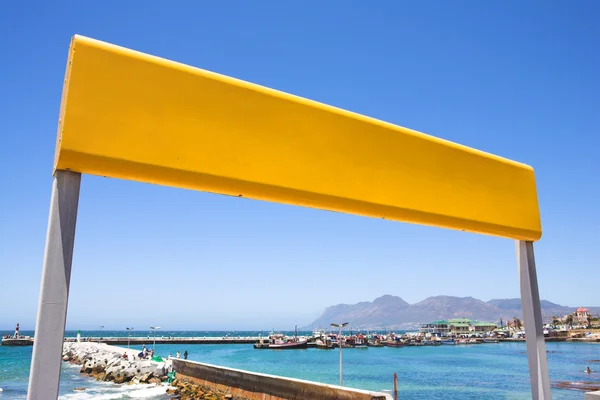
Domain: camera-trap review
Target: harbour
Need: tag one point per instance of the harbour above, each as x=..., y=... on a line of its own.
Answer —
x=491, y=371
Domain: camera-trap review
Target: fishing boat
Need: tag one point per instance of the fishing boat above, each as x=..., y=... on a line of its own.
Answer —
x=491, y=341
x=325, y=344
x=280, y=342
x=393, y=342
x=279, y=345
x=448, y=341
x=360, y=342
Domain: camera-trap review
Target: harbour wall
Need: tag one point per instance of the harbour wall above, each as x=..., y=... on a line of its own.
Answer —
x=116, y=341
x=255, y=386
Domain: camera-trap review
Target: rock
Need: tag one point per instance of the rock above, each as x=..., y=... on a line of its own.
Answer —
x=99, y=376
x=146, y=377
x=156, y=381
x=228, y=396
x=65, y=358
x=79, y=389
x=119, y=379
x=173, y=391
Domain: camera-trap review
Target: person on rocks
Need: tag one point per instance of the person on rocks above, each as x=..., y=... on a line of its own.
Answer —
x=17, y=331
x=178, y=354
x=185, y=355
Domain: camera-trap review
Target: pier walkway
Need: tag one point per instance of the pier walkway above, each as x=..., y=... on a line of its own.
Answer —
x=169, y=340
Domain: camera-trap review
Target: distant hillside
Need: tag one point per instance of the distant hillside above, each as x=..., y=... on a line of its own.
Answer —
x=393, y=312
x=549, y=309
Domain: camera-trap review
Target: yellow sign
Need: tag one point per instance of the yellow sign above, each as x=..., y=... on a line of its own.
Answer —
x=129, y=115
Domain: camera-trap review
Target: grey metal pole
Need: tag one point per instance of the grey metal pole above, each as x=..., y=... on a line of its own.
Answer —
x=44, y=377
x=340, y=343
x=532, y=316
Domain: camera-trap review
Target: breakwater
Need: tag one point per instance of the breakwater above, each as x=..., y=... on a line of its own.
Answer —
x=115, y=341
x=109, y=363
x=194, y=380
x=119, y=365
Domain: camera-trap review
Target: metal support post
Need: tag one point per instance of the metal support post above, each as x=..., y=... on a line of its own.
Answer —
x=44, y=377
x=340, y=343
x=532, y=316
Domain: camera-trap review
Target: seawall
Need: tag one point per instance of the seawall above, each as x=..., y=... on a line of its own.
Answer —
x=134, y=341
x=242, y=384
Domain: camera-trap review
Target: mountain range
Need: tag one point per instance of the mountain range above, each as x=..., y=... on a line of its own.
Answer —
x=392, y=312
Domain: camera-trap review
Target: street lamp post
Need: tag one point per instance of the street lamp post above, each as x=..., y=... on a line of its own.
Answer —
x=128, y=335
x=154, y=329
x=340, y=326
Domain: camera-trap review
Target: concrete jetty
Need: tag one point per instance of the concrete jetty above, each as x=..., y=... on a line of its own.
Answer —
x=115, y=341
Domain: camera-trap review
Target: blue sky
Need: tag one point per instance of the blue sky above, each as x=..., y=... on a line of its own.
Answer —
x=515, y=79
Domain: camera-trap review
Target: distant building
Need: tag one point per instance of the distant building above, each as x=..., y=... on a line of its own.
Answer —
x=583, y=316
x=482, y=326
x=436, y=327
x=457, y=326
x=460, y=325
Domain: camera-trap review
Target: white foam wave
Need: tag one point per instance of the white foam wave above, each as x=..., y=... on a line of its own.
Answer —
x=113, y=392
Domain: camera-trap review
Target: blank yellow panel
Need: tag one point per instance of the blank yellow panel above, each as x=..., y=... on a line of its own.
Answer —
x=129, y=115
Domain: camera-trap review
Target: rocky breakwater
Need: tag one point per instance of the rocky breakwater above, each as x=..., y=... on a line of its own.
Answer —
x=107, y=363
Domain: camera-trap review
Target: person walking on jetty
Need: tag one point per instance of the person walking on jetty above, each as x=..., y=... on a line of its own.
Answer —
x=185, y=354
x=17, y=331
x=178, y=354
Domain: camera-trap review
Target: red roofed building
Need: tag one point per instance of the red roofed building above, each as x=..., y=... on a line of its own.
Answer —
x=583, y=315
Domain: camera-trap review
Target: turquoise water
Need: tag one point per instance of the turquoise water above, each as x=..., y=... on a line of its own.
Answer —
x=485, y=371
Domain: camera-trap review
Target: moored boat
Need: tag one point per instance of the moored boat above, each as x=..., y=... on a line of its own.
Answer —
x=281, y=342
x=394, y=344
x=301, y=344
x=325, y=344
x=491, y=341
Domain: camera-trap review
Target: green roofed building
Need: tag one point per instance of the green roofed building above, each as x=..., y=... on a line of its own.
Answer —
x=435, y=327
x=483, y=326
x=457, y=326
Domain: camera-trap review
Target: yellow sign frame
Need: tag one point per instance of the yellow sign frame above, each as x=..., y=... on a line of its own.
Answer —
x=129, y=115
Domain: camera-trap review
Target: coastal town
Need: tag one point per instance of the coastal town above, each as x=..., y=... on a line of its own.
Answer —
x=579, y=326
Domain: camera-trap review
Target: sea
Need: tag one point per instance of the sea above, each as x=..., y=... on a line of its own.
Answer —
x=483, y=371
